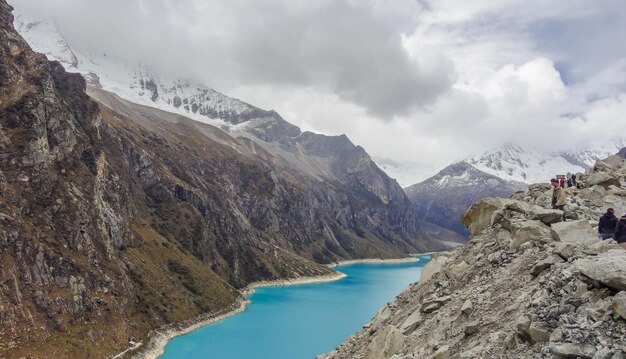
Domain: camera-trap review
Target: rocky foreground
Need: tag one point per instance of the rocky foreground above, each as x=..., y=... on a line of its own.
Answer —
x=527, y=285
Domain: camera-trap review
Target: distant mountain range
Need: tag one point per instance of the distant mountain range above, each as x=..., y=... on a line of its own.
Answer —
x=441, y=199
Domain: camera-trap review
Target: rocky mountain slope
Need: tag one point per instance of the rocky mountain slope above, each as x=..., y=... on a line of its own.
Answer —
x=527, y=285
x=116, y=218
x=443, y=198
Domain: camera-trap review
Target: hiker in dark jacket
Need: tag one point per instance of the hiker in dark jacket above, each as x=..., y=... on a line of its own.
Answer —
x=607, y=224
x=620, y=231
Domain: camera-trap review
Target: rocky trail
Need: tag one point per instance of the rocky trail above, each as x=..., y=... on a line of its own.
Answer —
x=527, y=285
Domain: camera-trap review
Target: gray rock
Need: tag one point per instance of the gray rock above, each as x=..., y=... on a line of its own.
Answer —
x=478, y=216
x=411, y=323
x=522, y=324
x=573, y=350
x=538, y=333
x=545, y=264
x=603, y=179
x=574, y=232
x=609, y=268
x=471, y=327
x=529, y=231
x=467, y=307
x=619, y=304
x=443, y=352
x=386, y=343
x=434, y=266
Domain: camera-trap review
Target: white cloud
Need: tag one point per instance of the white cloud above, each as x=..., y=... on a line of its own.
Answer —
x=417, y=84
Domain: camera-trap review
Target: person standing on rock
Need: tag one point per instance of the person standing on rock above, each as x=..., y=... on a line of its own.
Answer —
x=559, y=199
x=620, y=231
x=607, y=225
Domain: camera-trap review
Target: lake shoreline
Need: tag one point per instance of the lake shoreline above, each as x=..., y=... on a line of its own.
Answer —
x=158, y=341
x=160, y=338
x=374, y=261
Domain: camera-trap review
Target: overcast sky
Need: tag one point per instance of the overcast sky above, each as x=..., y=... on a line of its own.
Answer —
x=417, y=83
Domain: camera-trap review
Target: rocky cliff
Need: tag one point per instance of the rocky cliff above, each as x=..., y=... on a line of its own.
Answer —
x=116, y=219
x=527, y=285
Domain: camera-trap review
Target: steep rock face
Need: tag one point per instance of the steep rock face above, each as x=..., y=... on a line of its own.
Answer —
x=525, y=286
x=443, y=198
x=116, y=219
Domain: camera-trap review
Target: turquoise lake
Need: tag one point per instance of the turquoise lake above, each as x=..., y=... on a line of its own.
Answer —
x=300, y=321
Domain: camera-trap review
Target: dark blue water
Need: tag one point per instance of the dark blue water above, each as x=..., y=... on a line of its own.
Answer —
x=300, y=321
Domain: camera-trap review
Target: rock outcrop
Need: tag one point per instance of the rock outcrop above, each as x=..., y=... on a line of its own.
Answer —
x=532, y=286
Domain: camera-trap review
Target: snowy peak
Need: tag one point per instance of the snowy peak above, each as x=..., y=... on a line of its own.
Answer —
x=512, y=162
x=135, y=82
x=458, y=175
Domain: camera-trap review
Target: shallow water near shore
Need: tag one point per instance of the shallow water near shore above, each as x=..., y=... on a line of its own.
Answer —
x=300, y=321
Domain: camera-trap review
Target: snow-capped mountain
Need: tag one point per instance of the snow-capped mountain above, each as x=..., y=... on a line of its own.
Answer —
x=134, y=82
x=515, y=163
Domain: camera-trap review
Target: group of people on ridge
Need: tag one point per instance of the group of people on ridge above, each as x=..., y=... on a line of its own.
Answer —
x=609, y=225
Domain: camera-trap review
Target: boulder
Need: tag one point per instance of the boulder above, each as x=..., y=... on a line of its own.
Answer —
x=610, y=163
x=574, y=232
x=529, y=231
x=548, y=216
x=386, y=343
x=471, y=328
x=411, y=323
x=609, y=268
x=434, y=266
x=619, y=304
x=538, y=333
x=545, y=264
x=522, y=324
x=478, y=216
x=572, y=350
x=456, y=269
x=467, y=307
x=605, y=245
x=603, y=179
x=566, y=250
x=381, y=316
x=443, y=352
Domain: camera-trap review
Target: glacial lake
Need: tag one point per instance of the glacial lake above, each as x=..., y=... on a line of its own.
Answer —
x=300, y=321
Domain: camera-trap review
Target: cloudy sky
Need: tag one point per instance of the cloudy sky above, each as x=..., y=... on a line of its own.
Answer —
x=417, y=83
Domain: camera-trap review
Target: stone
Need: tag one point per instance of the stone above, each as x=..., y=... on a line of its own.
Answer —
x=467, y=307
x=602, y=179
x=381, y=316
x=618, y=304
x=609, y=268
x=386, y=343
x=573, y=350
x=556, y=336
x=443, y=352
x=522, y=324
x=539, y=333
x=573, y=232
x=605, y=245
x=545, y=264
x=548, y=216
x=456, y=269
x=529, y=231
x=411, y=323
x=565, y=250
x=478, y=216
x=471, y=328
x=434, y=266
